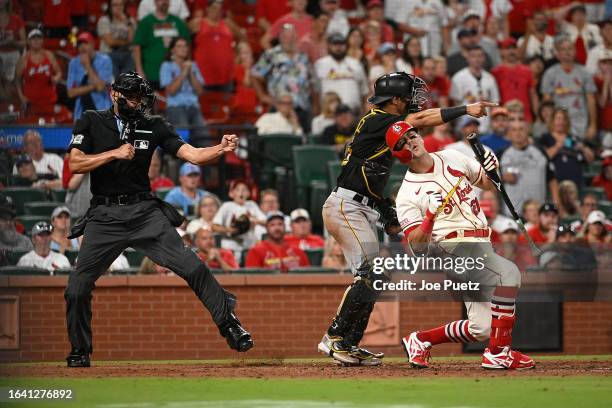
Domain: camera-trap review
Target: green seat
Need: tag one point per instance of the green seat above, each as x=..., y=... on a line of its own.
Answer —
x=319, y=191
x=393, y=184
x=315, y=139
x=28, y=221
x=23, y=271
x=126, y=271
x=315, y=256
x=276, y=151
x=72, y=255
x=606, y=207
x=163, y=192
x=593, y=167
x=14, y=256
x=134, y=257
x=22, y=195
x=599, y=192
x=256, y=271
x=59, y=195
x=309, y=164
x=41, y=207
x=398, y=169
x=334, y=168
x=313, y=269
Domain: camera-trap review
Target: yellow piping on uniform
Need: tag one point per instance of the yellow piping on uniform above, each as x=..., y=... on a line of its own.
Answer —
x=366, y=182
x=375, y=155
x=352, y=230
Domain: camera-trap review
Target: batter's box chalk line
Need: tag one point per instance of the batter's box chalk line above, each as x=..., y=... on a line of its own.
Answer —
x=259, y=404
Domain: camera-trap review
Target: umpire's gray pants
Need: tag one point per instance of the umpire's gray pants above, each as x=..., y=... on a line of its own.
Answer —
x=143, y=226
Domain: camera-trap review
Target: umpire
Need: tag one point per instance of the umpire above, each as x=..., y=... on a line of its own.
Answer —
x=116, y=146
x=352, y=209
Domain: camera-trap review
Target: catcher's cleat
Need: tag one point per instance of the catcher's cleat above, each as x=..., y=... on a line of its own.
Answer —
x=78, y=358
x=366, y=357
x=237, y=338
x=418, y=352
x=506, y=360
x=335, y=348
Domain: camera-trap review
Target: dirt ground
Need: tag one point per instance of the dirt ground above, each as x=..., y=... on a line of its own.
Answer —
x=319, y=369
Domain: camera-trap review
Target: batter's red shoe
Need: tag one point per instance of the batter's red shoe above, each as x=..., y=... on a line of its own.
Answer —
x=418, y=352
x=506, y=360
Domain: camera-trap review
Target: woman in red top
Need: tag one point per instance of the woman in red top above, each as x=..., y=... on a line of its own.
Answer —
x=245, y=98
x=213, y=51
x=37, y=73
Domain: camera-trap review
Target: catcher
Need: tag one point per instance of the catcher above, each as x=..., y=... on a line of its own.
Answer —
x=437, y=203
x=353, y=207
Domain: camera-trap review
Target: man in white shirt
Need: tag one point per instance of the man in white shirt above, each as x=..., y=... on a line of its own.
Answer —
x=177, y=7
x=598, y=51
x=42, y=256
x=473, y=84
x=284, y=120
x=44, y=163
x=537, y=43
x=336, y=72
x=426, y=15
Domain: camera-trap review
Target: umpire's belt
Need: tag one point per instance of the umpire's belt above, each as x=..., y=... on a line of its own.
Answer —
x=351, y=195
x=124, y=199
x=477, y=233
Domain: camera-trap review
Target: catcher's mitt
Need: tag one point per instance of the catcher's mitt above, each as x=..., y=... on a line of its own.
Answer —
x=388, y=216
x=242, y=224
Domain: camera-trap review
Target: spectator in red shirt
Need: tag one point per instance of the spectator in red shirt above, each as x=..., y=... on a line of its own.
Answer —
x=301, y=232
x=438, y=86
x=545, y=231
x=268, y=11
x=213, y=257
x=376, y=13
x=314, y=44
x=56, y=18
x=274, y=252
x=442, y=135
x=12, y=41
x=603, y=82
x=604, y=179
x=298, y=18
x=156, y=179
x=515, y=80
x=36, y=74
x=245, y=96
x=213, y=45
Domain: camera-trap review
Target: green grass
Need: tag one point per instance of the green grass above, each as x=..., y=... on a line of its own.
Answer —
x=498, y=392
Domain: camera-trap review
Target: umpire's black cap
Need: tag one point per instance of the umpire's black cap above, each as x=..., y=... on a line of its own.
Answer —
x=389, y=85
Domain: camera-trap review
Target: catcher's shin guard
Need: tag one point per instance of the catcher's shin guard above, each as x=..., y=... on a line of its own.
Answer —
x=354, y=309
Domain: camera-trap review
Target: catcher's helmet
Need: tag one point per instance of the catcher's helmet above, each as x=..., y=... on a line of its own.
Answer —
x=406, y=86
x=133, y=86
x=393, y=136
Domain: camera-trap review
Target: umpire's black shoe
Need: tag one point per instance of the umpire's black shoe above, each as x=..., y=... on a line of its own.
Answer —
x=237, y=338
x=78, y=358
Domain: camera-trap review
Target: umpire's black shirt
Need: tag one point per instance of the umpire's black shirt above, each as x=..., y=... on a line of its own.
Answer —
x=369, y=144
x=97, y=132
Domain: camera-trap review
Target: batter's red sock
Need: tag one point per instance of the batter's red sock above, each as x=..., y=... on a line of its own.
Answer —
x=502, y=318
x=456, y=332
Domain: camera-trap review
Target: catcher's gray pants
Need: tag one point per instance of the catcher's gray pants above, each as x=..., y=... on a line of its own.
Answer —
x=497, y=271
x=143, y=226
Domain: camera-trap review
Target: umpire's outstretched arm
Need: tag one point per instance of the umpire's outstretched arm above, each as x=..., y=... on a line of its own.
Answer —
x=203, y=155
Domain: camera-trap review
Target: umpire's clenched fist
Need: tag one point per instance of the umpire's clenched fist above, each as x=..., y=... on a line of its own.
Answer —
x=479, y=109
x=125, y=152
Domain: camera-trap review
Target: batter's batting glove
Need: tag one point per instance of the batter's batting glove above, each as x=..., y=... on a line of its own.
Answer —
x=490, y=162
x=435, y=202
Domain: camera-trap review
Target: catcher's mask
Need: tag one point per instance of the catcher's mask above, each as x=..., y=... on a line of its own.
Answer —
x=410, y=88
x=135, y=88
x=397, y=137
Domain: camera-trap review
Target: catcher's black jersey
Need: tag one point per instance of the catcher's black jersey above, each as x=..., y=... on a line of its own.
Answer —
x=367, y=160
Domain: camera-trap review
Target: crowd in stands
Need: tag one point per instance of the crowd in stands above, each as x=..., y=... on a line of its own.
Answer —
x=306, y=68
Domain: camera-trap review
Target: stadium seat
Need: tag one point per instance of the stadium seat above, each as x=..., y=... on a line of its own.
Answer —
x=23, y=271
x=72, y=255
x=313, y=269
x=28, y=221
x=40, y=208
x=606, y=207
x=308, y=167
x=59, y=195
x=319, y=191
x=134, y=257
x=395, y=181
x=276, y=152
x=599, y=192
x=62, y=271
x=398, y=169
x=315, y=139
x=333, y=171
x=256, y=271
x=14, y=256
x=315, y=256
x=22, y=195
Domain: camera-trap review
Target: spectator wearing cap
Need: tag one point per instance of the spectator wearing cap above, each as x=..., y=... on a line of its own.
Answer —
x=474, y=83
x=537, y=42
x=375, y=13
x=49, y=166
x=314, y=44
x=213, y=257
x=603, y=82
x=571, y=87
x=10, y=238
x=36, y=76
x=386, y=62
x=283, y=120
x=213, y=45
x=275, y=252
x=301, y=232
x=283, y=70
x=89, y=76
x=116, y=31
x=182, y=81
x=596, y=53
x=597, y=228
x=269, y=202
x=42, y=256
x=604, y=178
x=338, y=22
x=175, y=7
x=339, y=73
x=329, y=103
x=515, y=80
x=187, y=193
x=423, y=20
x=156, y=178
x=545, y=231
x=496, y=139
x=437, y=85
x=472, y=20
x=567, y=253
x=152, y=40
x=205, y=213
x=60, y=221
x=581, y=33
x=26, y=173
x=526, y=170
x=441, y=137
x=241, y=204
x=508, y=246
x=342, y=130
x=297, y=17
x=458, y=60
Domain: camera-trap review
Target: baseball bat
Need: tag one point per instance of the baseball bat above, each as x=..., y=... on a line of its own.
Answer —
x=479, y=151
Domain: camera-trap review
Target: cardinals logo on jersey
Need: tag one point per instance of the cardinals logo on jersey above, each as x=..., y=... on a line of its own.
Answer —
x=455, y=173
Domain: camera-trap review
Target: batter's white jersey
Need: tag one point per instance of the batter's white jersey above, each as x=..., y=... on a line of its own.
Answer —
x=463, y=211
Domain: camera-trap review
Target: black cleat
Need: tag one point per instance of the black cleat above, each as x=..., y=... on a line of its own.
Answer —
x=78, y=358
x=237, y=338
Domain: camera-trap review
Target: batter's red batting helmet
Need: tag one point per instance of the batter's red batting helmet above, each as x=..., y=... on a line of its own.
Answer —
x=393, y=136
